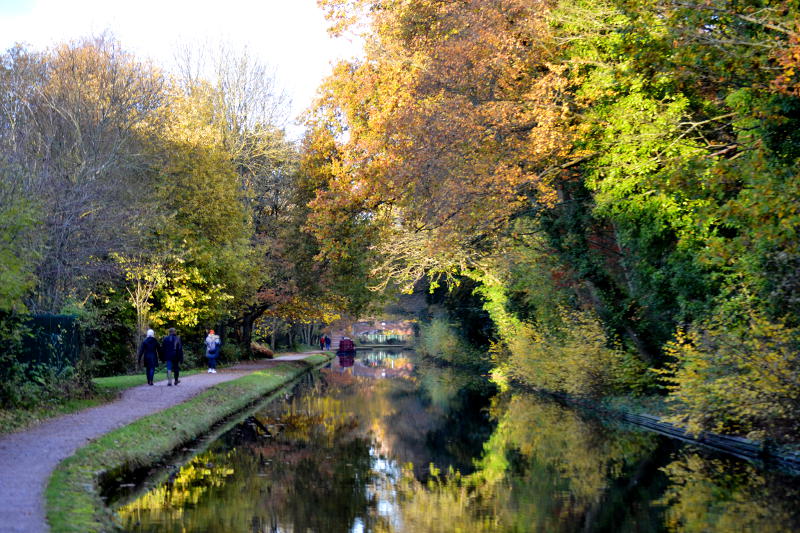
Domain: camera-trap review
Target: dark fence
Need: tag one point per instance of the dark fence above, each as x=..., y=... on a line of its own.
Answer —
x=53, y=340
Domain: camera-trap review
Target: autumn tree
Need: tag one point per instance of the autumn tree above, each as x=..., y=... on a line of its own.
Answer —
x=455, y=114
x=205, y=225
x=72, y=120
x=616, y=168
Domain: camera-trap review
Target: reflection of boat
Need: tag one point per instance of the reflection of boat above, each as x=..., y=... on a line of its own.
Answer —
x=369, y=368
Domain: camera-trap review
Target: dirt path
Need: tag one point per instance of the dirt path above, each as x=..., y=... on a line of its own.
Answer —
x=28, y=458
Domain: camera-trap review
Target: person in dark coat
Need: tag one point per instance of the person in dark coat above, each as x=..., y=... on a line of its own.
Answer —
x=327, y=342
x=172, y=355
x=149, y=351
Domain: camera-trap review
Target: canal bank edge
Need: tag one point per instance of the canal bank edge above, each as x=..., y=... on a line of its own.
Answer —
x=72, y=497
x=750, y=450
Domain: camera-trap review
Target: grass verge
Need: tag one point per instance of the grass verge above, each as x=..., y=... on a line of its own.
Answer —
x=106, y=390
x=73, y=502
x=117, y=384
x=18, y=419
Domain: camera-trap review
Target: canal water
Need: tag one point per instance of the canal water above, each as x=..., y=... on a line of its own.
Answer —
x=385, y=442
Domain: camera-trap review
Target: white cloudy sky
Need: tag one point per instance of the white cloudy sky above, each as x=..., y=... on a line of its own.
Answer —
x=287, y=34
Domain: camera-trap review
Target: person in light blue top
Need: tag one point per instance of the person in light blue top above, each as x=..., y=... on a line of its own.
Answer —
x=212, y=351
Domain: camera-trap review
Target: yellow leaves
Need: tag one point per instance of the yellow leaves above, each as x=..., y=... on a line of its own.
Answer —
x=449, y=120
x=94, y=79
x=574, y=359
x=740, y=378
x=187, y=297
x=299, y=309
x=192, y=119
x=788, y=58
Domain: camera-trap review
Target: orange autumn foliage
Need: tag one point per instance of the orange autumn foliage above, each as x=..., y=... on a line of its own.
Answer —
x=457, y=113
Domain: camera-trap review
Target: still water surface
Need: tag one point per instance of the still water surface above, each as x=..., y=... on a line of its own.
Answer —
x=391, y=444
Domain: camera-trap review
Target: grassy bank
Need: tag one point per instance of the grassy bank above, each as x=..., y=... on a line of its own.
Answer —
x=72, y=496
x=105, y=390
x=117, y=384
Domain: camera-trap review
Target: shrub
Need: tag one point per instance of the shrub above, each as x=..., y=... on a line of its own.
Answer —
x=194, y=356
x=232, y=352
x=737, y=377
x=26, y=385
x=574, y=358
x=442, y=341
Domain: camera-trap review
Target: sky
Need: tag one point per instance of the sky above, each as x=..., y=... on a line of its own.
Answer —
x=289, y=35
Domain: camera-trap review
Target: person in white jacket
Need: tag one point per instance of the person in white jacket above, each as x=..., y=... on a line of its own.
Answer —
x=212, y=351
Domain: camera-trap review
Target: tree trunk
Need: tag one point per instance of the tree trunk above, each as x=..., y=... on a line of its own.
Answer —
x=644, y=351
x=247, y=321
x=247, y=332
x=292, y=335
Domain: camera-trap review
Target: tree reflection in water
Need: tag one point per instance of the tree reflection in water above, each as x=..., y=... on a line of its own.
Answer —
x=722, y=494
x=427, y=451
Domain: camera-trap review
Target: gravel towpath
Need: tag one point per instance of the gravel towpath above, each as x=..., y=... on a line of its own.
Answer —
x=28, y=458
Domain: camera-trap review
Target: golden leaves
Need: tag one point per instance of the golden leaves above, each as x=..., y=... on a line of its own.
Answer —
x=736, y=378
x=452, y=118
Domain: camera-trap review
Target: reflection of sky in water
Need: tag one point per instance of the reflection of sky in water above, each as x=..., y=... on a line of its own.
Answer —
x=387, y=474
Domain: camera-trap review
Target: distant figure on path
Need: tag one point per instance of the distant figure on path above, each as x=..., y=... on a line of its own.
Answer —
x=172, y=354
x=322, y=342
x=149, y=351
x=212, y=351
x=327, y=342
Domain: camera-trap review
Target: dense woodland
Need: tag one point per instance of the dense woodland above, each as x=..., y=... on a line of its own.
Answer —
x=132, y=198
x=615, y=183
x=605, y=195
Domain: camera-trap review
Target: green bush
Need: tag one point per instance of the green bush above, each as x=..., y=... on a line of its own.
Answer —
x=575, y=358
x=441, y=340
x=741, y=378
x=26, y=385
x=231, y=353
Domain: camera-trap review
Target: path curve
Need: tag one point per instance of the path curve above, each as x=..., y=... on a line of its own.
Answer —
x=28, y=458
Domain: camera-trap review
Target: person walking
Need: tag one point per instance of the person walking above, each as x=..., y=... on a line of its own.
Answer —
x=149, y=351
x=212, y=351
x=322, y=342
x=327, y=342
x=172, y=355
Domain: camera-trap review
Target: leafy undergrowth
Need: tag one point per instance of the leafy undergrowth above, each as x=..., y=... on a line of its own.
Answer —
x=655, y=405
x=106, y=390
x=72, y=495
